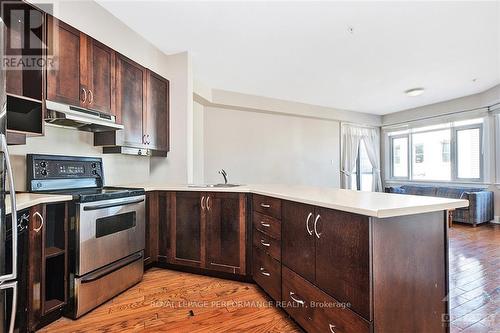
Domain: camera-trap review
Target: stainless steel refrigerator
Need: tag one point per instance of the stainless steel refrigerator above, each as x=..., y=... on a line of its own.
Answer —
x=8, y=245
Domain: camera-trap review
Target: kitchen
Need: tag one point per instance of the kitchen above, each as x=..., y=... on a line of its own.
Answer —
x=108, y=154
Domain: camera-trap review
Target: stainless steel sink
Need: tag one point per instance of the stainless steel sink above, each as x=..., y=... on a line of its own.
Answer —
x=214, y=185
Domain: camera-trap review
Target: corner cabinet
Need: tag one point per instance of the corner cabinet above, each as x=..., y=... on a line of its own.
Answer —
x=204, y=230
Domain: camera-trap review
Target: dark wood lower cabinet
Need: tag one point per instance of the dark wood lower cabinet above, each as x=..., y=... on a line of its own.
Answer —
x=48, y=262
x=315, y=310
x=343, y=258
x=225, y=232
x=266, y=272
x=187, y=229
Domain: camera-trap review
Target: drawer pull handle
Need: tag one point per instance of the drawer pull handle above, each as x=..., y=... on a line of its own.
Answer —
x=263, y=205
x=332, y=328
x=301, y=302
x=318, y=217
x=264, y=243
x=309, y=231
x=263, y=272
x=264, y=224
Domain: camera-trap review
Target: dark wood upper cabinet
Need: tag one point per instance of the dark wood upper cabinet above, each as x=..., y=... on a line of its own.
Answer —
x=343, y=257
x=101, y=74
x=298, y=240
x=83, y=70
x=130, y=101
x=156, y=127
x=63, y=75
x=225, y=232
x=187, y=229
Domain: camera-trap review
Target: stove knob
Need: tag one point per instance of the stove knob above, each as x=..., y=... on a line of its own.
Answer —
x=93, y=165
x=43, y=172
x=43, y=164
x=94, y=172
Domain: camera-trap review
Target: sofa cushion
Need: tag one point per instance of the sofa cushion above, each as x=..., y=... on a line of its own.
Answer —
x=419, y=190
x=455, y=192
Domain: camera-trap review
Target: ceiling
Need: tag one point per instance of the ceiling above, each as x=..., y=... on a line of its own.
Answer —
x=358, y=56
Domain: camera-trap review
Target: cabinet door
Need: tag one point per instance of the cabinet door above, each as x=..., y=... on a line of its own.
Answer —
x=164, y=226
x=35, y=266
x=226, y=232
x=157, y=115
x=130, y=101
x=188, y=228
x=343, y=258
x=298, y=243
x=101, y=75
x=63, y=79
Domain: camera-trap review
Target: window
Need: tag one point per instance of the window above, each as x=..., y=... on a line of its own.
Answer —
x=427, y=162
x=400, y=157
x=362, y=181
x=468, y=153
x=444, y=152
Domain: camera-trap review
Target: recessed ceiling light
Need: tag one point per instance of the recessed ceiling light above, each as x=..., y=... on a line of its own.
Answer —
x=414, y=92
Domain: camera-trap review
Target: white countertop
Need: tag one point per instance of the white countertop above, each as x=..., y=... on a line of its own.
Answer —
x=375, y=204
x=26, y=200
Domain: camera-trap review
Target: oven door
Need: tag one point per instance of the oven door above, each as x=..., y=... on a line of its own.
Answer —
x=108, y=230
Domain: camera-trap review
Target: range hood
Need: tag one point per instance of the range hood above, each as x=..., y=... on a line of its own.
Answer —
x=80, y=118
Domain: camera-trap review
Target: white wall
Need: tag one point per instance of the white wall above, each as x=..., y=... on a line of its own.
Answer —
x=95, y=21
x=256, y=147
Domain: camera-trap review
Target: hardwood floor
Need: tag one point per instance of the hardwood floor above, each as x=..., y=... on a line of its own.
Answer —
x=181, y=302
x=171, y=301
x=475, y=278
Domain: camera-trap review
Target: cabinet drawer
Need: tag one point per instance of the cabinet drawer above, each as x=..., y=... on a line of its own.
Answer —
x=268, y=225
x=267, y=273
x=319, y=312
x=267, y=244
x=267, y=205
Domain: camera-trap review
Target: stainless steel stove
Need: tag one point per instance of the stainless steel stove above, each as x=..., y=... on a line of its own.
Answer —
x=107, y=227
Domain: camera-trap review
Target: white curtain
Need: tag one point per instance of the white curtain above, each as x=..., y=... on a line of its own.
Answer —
x=371, y=139
x=351, y=139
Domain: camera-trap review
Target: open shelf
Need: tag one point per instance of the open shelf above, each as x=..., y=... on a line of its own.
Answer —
x=53, y=252
x=54, y=283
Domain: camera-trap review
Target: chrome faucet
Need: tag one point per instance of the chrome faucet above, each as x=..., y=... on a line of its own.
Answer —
x=224, y=174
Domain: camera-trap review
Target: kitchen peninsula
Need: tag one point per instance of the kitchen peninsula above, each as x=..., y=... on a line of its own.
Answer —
x=309, y=245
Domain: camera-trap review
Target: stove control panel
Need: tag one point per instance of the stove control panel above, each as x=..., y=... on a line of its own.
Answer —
x=46, y=172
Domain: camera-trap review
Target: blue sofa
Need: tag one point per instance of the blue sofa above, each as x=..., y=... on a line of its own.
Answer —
x=480, y=208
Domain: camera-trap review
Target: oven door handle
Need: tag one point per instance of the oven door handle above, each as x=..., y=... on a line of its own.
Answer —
x=114, y=204
x=111, y=268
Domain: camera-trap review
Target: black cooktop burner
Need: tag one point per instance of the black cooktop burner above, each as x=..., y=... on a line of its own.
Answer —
x=105, y=193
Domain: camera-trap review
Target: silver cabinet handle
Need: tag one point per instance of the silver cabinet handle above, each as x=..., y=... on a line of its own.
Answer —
x=296, y=300
x=263, y=205
x=332, y=328
x=84, y=95
x=309, y=231
x=91, y=97
x=208, y=203
x=13, y=286
x=264, y=243
x=41, y=221
x=203, y=203
x=263, y=272
x=318, y=217
x=264, y=224
x=13, y=207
